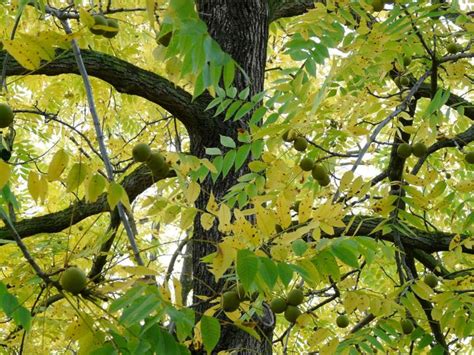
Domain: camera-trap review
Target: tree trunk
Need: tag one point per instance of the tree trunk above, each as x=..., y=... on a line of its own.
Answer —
x=241, y=29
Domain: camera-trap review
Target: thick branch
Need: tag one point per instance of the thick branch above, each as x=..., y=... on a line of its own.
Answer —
x=458, y=141
x=429, y=242
x=289, y=8
x=454, y=101
x=134, y=184
x=127, y=79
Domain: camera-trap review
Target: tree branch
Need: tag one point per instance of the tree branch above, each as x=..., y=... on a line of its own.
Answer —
x=128, y=79
x=290, y=8
x=134, y=184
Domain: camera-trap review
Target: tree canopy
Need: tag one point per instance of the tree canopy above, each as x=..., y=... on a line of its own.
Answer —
x=219, y=176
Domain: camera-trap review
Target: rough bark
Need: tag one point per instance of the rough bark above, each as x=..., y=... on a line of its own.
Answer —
x=241, y=29
x=128, y=79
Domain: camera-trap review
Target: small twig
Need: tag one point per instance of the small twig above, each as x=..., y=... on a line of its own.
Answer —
x=26, y=253
x=100, y=139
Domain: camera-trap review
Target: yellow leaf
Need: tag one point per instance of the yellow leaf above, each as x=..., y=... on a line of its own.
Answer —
x=465, y=186
x=224, y=215
x=265, y=222
x=86, y=17
x=330, y=348
x=57, y=165
x=346, y=180
x=413, y=180
x=4, y=173
x=150, y=10
x=44, y=188
x=114, y=194
x=177, y=292
x=358, y=130
x=212, y=204
x=207, y=220
x=257, y=166
x=305, y=208
x=209, y=165
x=21, y=52
x=76, y=176
x=422, y=290
x=138, y=270
x=283, y=211
x=187, y=218
x=223, y=258
x=192, y=192
x=319, y=336
x=34, y=185
x=95, y=187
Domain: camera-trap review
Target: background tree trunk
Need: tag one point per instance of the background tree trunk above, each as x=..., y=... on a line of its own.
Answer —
x=241, y=29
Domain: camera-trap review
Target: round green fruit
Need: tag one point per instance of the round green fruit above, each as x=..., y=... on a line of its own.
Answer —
x=99, y=20
x=157, y=164
x=306, y=164
x=73, y=280
x=6, y=115
x=419, y=150
x=407, y=326
x=289, y=136
x=295, y=297
x=454, y=48
x=230, y=301
x=325, y=181
x=141, y=152
x=404, y=81
x=319, y=172
x=300, y=144
x=469, y=157
x=431, y=280
x=404, y=150
x=292, y=313
x=377, y=5
x=113, y=28
x=342, y=321
x=278, y=305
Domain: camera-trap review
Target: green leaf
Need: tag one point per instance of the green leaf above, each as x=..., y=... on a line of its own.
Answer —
x=244, y=93
x=299, y=247
x=140, y=309
x=128, y=298
x=285, y=272
x=258, y=114
x=211, y=332
x=243, y=110
x=257, y=148
x=242, y=154
x=213, y=151
x=223, y=106
x=227, y=142
x=268, y=271
x=345, y=254
x=231, y=110
x=215, y=102
x=76, y=176
x=247, y=267
x=228, y=162
x=326, y=264
x=229, y=72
